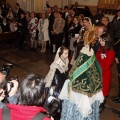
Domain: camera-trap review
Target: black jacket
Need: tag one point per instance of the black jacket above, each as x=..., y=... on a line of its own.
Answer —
x=116, y=27
x=19, y=13
x=51, y=19
x=22, y=29
x=75, y=30
x=5, y=28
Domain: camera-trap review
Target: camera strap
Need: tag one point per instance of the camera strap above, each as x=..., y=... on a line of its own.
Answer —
x=39, y=116
x=5, y=113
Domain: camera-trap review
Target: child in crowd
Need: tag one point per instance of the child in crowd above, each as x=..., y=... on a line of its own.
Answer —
x=57, y=76
x=57, y=73
x=105, y=55
x=13, y=25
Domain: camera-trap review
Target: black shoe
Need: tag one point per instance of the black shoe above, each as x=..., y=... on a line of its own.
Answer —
x=115, y=97
x=102, y=107
x=117, y=100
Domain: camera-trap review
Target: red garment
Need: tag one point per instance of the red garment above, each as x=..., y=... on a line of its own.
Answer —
x=0, y=114
x=106, y=63
x=19, y=112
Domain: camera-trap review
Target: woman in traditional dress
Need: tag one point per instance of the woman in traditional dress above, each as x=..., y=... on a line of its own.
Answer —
x=43, y=31
x=79, y=43
x=57, y=76
x=58, y=67
x=86, y=24
x=82, y=94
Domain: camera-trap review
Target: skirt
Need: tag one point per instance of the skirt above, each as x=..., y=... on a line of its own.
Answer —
x=79, y=106
x=70, y=111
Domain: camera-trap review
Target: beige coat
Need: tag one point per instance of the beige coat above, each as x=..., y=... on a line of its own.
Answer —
x=44, y=29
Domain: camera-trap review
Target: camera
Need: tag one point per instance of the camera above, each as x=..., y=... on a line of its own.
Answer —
x=10, y=84
x=7, y=82
x=83, y=30
x=51, y=104
x=6, y=69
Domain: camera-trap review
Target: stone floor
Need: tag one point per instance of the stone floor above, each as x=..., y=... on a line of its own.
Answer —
x=26, y=61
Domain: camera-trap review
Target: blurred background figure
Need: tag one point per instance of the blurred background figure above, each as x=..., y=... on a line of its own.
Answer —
x=43, y=31
x=5, y=26
x=13, y=25
x=22, y=30
x=33, y=25
x=10, y=14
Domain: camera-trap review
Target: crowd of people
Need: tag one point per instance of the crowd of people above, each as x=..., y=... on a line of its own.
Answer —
x=52, y=26
x=87, y=40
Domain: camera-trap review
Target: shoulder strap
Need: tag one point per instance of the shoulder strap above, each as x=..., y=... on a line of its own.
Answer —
x=39, y=116
x=5, y=113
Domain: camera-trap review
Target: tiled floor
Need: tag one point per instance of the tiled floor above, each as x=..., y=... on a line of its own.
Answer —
x=26, y=61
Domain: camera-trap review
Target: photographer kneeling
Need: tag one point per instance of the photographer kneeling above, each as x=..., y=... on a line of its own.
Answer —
x=30, y=99
x=7, y=92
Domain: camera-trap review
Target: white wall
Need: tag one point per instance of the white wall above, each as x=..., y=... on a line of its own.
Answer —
x=59, y=3
x=51, y=3
x=86, y=2
x=26, y=5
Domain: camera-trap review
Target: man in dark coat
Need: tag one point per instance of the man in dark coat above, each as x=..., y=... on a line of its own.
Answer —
x=18, y=11
x=116, y=34
x=51, y=22
x=65, y=14
x=105, y=21
x=22, y=29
